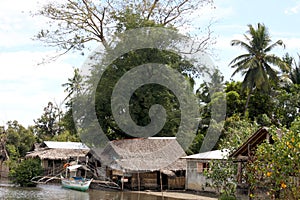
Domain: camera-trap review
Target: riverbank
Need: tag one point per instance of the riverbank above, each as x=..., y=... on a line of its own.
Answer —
x=56, y=192
x=181, y=195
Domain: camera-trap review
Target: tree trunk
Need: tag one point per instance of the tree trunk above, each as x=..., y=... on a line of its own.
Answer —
x=248, y=99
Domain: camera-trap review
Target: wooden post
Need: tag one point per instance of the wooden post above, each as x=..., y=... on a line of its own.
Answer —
x=239, y=173
x=53, y=167
x=138, y=181
x=122, y=181
x=161, y=188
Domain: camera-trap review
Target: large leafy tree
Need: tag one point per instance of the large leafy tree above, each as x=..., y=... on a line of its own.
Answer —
x=142, y=100
x=48, y=125
x=74, y=23
x=19, y=140
x=257, y=65
x=144, y=97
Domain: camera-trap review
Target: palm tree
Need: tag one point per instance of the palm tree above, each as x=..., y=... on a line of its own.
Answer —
x=256, y=66
x=295, y=72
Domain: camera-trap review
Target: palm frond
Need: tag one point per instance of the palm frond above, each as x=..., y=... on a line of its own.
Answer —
x=277, y=43
x=248, y=81
x=273, y=74
x=276, y=61
x=243, y=65
x=239, y=58
x=242, y=44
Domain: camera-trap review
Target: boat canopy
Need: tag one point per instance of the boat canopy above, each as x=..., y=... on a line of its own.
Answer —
x=75, y=167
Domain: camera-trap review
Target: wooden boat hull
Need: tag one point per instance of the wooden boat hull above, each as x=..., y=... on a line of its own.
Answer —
x=80, y=185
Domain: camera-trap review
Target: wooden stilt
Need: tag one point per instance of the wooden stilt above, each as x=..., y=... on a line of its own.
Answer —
x=138, y=181
x=122, y=182
x=239, y=173
x=161, y=187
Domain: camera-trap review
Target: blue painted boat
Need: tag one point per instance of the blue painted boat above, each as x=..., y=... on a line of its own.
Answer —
x=72, y=181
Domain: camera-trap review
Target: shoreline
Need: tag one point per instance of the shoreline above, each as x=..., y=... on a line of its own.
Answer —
x=178, y=195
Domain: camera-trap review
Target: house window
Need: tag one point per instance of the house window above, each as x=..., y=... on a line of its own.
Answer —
x=201, y=167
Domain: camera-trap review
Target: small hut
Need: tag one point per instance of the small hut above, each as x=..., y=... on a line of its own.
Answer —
x=197, y=164
x=54, y=155
x=145, y=163
x=246, y=153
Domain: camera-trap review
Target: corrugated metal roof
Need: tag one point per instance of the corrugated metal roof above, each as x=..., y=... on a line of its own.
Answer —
x=65, y=145
x=210, y=155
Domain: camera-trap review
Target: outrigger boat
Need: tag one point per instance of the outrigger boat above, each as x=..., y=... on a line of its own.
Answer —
x=72, y=181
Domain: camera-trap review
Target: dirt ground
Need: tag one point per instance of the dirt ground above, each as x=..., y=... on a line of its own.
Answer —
x=180, y=195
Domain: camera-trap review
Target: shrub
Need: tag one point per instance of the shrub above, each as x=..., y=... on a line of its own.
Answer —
x=227, y=197
x=277, y=166
x=25, y=171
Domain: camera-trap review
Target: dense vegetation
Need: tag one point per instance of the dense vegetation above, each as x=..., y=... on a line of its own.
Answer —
x=267, y=96
x=25, y=171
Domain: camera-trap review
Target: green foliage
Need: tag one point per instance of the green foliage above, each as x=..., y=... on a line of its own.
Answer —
x=236, y=132
x=196, y=144
x=66, y=136
x=287, y=105
x=144, y=97
x=19, y=140
x=78, y=22
x=222, y=176
x=255, y=64
x=25, y=171
x=48, y=125
x=73, y=86
x=129, y=20
x=227, y=197
x=295, y=72
x=276, y=166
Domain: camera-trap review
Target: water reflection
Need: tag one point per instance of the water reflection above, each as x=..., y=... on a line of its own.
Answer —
x=56, y=192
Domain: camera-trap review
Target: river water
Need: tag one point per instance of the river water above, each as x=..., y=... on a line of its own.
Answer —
x=56, y=192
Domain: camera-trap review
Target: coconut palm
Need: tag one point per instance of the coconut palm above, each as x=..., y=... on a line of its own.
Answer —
x=257, y=65
x=295, y=72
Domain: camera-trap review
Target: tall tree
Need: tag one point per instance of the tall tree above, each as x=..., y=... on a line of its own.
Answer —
x=48, y=125
x=77, y=22
x=73, y=86
x=19, y=140
x=295, y=72
x=257, y=64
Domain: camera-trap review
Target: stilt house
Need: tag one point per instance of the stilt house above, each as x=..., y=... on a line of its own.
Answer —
x=145, y=163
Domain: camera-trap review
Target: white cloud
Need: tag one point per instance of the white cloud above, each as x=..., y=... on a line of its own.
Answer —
x=26, y=88
x=293, y=10
x=17, y=26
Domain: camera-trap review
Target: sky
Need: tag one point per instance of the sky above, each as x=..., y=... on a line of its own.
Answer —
x=26, y=86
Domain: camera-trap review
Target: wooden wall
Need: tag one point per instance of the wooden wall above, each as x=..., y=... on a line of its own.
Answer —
x=176, y=183
x=148, y=180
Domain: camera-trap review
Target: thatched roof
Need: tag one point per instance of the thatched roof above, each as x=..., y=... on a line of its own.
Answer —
x=144, y=154
x=57, y=154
